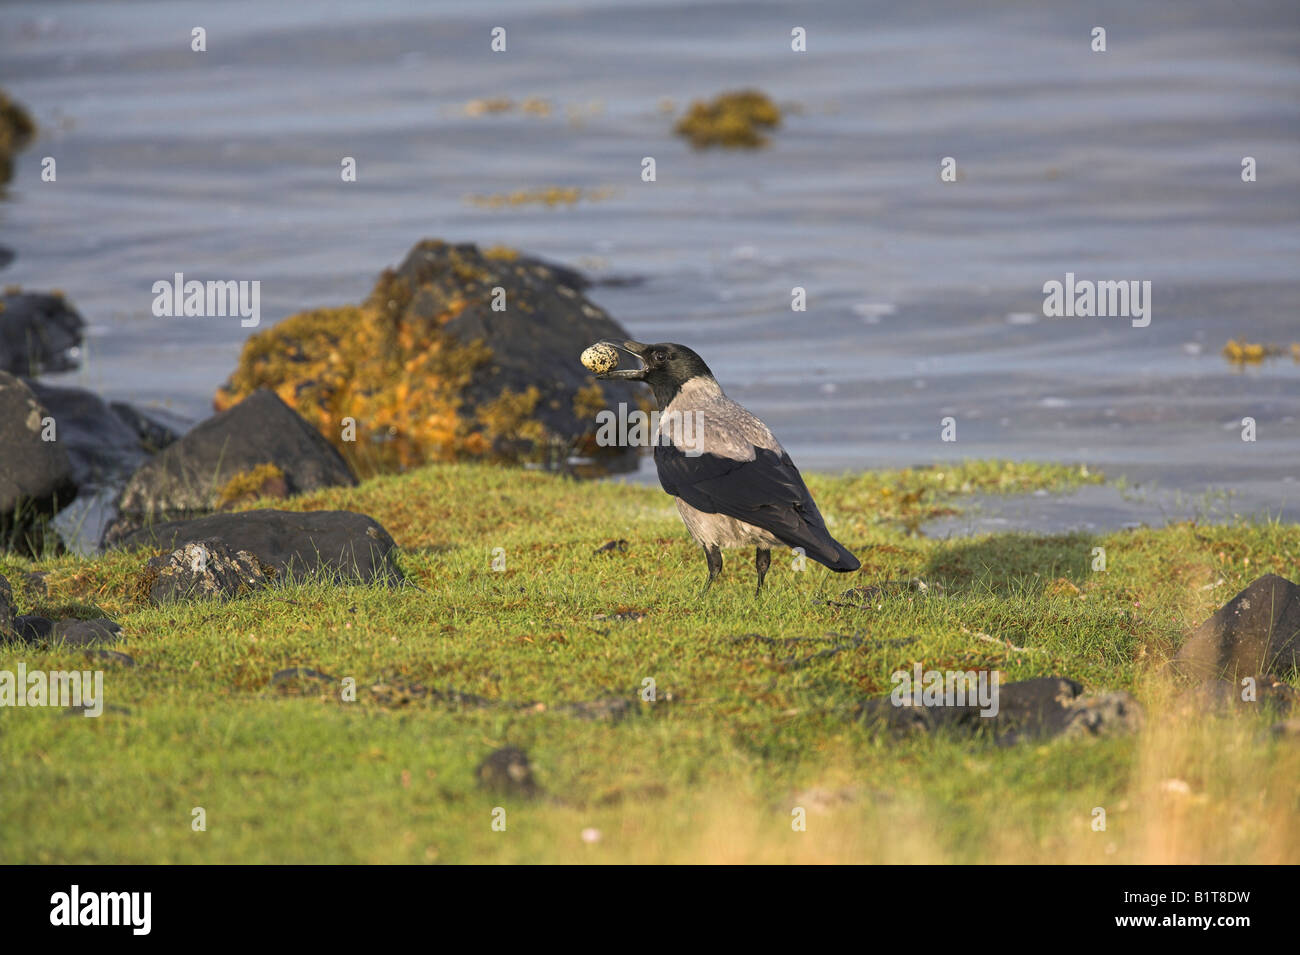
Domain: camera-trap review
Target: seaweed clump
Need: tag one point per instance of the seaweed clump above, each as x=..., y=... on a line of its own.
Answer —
x=1252, y=353
x=733, y=120
x=16, y=131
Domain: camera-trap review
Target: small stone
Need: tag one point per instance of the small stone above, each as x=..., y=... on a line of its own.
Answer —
x=199, y=569
x=85, y=633
x=507, y=770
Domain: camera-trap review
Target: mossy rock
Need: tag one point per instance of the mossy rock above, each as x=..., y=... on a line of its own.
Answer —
x=425, y=369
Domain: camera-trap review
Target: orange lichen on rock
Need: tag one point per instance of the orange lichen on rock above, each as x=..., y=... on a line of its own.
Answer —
x=265, y=480
x=452, y=355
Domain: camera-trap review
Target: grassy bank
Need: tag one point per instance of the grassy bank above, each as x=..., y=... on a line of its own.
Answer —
x=752, y=717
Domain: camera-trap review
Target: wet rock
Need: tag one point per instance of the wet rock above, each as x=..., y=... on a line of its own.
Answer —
x=155, y=429
x=190, y=476
x=36, y=477
x=103, y=450
x=1257, y=631
x=508, y=772
x=1040, y=708
x=200, y=570
x=342, y=546
x=38, y=333
x=32, y=629
x=430, y=371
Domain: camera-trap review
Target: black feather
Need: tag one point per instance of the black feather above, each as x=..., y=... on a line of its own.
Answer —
x=767, y=492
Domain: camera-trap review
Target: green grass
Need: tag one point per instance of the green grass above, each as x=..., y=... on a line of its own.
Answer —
x=752, y=729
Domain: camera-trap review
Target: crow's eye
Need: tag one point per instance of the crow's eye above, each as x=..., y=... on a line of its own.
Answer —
x=660, y=357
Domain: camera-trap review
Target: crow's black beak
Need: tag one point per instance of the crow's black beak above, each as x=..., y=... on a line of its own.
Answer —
x=629, y=374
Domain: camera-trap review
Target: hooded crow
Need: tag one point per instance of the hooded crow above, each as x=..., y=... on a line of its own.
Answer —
x=735, y=485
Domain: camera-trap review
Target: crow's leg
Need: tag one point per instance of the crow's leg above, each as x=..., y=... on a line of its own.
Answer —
x=714, y=556
x=762, y=561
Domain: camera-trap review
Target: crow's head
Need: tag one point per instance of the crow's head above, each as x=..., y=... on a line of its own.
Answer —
x=664, y=367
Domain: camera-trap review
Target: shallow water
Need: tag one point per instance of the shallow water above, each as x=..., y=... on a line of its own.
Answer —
x=924, y=298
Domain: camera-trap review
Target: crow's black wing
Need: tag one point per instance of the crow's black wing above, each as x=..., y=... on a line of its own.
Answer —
x=766, y=491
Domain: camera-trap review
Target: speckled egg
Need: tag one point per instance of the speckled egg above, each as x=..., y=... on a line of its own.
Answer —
x=600, y=358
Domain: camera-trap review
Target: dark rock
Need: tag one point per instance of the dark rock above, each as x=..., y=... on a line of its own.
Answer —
x=341, y=545
x=1257, y=631
x=507, y=771
x=33, y=629
x=85, y=633
x=201, y=569
x=155, y=429
x=102, y=448
x=7, y=609
x=1106, y=714
x=72, y=632
x=38, y=333
x=1040, y=708
x=535, y=342
x=36, y=477
x=189, y=476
